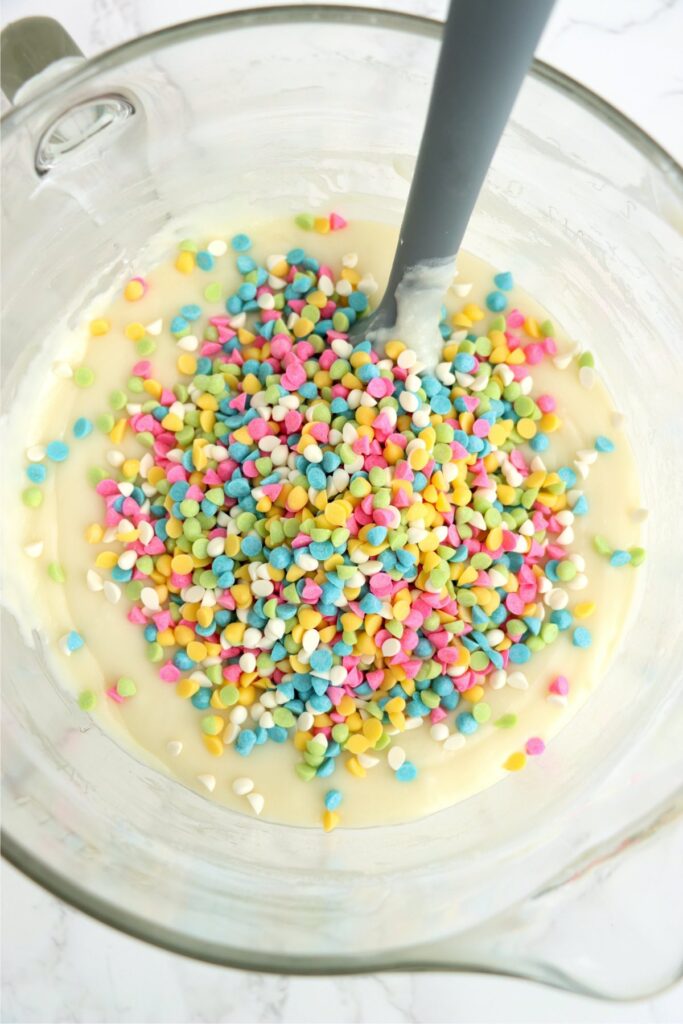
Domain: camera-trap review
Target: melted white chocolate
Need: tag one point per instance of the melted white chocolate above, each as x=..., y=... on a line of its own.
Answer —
x=156, y=723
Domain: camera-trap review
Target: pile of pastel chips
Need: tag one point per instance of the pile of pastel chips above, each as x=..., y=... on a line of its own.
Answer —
x=325, y=546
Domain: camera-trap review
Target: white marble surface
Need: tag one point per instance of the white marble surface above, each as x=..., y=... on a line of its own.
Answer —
x=58, y=965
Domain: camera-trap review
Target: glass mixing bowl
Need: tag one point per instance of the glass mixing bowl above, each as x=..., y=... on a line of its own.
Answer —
x=564, y=874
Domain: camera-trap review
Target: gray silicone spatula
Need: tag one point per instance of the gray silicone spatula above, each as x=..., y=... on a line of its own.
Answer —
x=486, y=51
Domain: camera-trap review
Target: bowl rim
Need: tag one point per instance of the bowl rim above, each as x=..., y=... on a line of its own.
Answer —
x=23, y=859
x=411, y=24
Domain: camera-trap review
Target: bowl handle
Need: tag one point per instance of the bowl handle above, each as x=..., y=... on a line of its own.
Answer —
x=28, y=47
x=34, y=52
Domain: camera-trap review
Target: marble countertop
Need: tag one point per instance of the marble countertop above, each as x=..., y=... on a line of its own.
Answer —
x=60, y=966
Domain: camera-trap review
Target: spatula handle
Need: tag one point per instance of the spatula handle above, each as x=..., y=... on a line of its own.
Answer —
x=486, y=51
